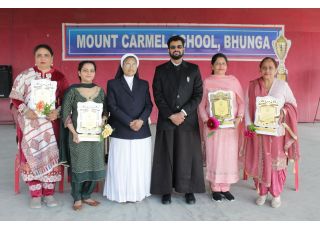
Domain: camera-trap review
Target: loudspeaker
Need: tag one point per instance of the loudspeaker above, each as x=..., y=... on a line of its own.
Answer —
x=5, y=80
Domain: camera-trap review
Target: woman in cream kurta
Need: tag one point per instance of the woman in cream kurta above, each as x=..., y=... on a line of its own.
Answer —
x=222, y=147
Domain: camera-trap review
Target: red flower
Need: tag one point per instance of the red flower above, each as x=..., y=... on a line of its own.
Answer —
x=213, y=123
x=249, y=133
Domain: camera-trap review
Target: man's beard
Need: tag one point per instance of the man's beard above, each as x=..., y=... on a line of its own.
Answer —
x=176, y=57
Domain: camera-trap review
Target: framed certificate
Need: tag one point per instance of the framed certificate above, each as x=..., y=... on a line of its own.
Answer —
x=267, y=116
x=42, y=91
x=89, y=120
x=221, y=107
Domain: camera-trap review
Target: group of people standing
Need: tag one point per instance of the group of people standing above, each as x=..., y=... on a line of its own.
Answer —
x=133, y=172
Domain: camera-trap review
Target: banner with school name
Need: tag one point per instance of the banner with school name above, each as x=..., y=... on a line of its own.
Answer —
x=149, y=41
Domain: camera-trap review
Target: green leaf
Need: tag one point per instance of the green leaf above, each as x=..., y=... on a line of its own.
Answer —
x=47, y=109
x=252, y=128
x=210, y=134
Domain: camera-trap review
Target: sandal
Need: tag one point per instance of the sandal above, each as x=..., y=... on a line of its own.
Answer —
x=77, y=207
x=91, y=203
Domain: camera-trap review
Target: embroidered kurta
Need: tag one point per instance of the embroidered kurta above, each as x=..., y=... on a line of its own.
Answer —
x=37, y=138
x=87, y=157
x=222, y=147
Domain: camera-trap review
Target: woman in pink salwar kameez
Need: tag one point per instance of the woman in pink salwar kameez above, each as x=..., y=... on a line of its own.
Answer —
x=222, y=147
x=267, y=156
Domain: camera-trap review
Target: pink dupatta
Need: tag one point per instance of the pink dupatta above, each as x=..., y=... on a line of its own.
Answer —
x=265, y=153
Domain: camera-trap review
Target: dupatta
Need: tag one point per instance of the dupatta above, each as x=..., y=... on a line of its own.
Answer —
x=260, y=159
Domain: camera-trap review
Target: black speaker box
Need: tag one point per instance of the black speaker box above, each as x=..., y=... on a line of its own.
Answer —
x=5, y=80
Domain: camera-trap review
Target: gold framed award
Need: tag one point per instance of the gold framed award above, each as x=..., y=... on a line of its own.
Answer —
x=89, y=120
x=267, y=116
x=221, y=107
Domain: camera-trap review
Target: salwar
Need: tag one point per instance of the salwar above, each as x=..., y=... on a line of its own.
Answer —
x=220, y=187
x=82, y=191
x=39, y=189
x=278, y=178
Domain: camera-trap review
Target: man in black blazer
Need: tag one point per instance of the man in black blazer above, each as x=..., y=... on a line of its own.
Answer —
x=177, y=162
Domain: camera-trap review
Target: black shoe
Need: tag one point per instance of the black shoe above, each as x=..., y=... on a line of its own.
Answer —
x=166, y=199
x=216, y=196
x=228, y=196
x=190, y=199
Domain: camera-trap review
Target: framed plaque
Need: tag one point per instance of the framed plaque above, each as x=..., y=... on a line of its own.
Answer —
x=42, y=91
x=267, y=116
x=221, y=107
x=89, y=120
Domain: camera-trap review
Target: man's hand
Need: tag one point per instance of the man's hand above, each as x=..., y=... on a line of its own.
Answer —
x=177, y=118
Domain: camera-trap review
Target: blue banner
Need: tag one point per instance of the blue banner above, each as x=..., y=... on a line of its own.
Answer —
x=149, y=42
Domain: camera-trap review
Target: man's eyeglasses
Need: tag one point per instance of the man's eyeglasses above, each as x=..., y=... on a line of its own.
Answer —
x=174, y=47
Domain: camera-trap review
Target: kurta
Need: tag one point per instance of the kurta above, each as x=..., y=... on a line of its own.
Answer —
x=37, y=138
x=87, y=157
x=222, y=147
x=267, y=153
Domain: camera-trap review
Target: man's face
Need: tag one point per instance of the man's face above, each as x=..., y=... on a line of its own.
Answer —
x=176, y=50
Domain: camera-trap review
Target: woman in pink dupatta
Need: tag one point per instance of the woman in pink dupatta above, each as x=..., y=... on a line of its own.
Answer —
x=37, y=136
x=267, y=156
x=222, y=147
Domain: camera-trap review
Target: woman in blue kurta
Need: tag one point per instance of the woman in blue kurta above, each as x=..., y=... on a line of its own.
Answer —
x=129, y=163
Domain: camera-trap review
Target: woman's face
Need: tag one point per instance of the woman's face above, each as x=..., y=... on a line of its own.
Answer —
x=129, y=66
x=268, y=70
x=220, y=66
x=87, y=73
x=43, y=59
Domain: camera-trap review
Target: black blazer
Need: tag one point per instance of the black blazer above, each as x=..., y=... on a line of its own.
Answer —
x=171, y=95
x=125, y=106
